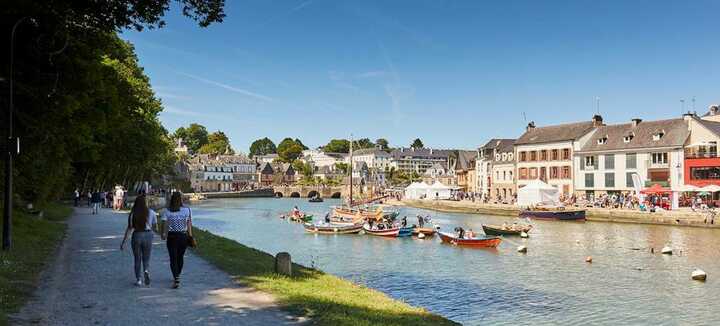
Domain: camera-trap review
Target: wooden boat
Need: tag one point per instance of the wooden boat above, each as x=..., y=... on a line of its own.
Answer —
x=357, y=214
x=478, y=242
x=499, y=230
x=316, y=200
x=406, y=231
x=428, y=232
x=330, y=228
x=391, y=233
x=554, y=214
x=304, y=218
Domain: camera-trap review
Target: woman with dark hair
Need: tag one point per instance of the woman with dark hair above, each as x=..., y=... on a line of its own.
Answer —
x=177, y=229
x=142, y=221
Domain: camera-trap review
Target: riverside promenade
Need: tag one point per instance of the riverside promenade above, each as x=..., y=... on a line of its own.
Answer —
x=91, y=282
x=679, y=217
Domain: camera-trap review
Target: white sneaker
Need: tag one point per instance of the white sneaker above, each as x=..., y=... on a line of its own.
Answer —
x=139, y=283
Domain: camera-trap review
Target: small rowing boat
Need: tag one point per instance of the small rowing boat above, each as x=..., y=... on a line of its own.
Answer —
x=509, y=230
x=406, y=231
x=329, y=228
x=428, y=232
x=554, y=214
x=391, y=233
x=478, y=242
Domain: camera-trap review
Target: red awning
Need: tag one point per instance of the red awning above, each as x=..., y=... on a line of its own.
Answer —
x=655, y=189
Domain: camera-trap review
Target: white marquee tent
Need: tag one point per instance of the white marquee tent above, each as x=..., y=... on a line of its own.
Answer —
x=439, y=191
x=416, y=190
x=537, y=192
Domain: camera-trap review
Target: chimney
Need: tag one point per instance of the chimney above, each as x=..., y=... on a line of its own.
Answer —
x=431, y=151
x=597, y=120
x=530, y=126
x=402, y=149
x=636, y=122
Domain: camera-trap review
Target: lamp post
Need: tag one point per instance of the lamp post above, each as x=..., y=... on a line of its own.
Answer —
x=12, y=146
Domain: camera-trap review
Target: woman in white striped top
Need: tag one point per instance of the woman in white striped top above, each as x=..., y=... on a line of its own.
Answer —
x=177, y=228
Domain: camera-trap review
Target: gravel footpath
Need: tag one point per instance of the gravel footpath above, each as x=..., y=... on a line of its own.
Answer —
x=91, y=283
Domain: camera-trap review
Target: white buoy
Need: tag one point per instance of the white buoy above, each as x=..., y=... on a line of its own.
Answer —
x=523, y=234
x=699, y=275
x=577, y=241
x=588, y=259
x=421, y=235
x=522, y=249
x=666, y=250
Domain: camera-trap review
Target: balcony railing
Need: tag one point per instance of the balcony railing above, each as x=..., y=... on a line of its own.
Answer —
x=661, y=183
x=700, y=154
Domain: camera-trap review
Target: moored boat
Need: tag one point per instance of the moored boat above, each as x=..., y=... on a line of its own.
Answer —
x=510, y=230
x=554, y=214
x=316, y=200
x=425, y=231
x=478, y=242
x=330, y=228
x=405, y=231
x=391, y=233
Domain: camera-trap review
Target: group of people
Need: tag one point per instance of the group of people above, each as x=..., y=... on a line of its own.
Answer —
x=460, y=233
x=105, y=199
x=176, y=229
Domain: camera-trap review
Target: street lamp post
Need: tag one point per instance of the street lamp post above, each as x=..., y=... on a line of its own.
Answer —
x=11, y=147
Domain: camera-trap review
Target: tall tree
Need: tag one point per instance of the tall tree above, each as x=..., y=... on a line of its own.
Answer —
x=297, y=141
x=288, y=150
x=218, y=143
x=363, y=143
x=262, y=146
x=417, y=143
x=382, y=143
x=337, y=146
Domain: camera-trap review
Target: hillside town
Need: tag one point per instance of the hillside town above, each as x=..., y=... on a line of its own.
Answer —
x=586, y=161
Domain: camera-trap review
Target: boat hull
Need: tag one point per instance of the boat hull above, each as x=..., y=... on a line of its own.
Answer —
x=425, y=231
x=570, y=215
x=495, y=230
x=406, y=231
x=332, y=229
x=486, y=242
x=389, y=233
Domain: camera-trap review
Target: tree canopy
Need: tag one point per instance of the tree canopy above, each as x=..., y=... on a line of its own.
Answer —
x=289, y=149
x=417, y=143
x=218, y=143
x=382, y=143
x=194, y=136
x=337, y=146
x=262, y=146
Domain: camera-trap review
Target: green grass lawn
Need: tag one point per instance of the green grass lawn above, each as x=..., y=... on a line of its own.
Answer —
x=326, y=299
x=34, y=240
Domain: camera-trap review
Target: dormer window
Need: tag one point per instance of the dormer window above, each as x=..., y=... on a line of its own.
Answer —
x=628, y=137
x=602, y=140
x=658, y=135
x=497, y=157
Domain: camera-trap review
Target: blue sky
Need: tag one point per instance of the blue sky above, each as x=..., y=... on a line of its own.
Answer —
x=453, y=73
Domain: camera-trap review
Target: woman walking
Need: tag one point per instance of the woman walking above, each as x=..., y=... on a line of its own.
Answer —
x=177, y=228
x=142, y=221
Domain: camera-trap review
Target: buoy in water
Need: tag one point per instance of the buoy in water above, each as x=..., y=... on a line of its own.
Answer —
x=666, y=250
x=577, y=241
x=523, y=234
x=421, y=235
x=588, y=259
x=699, y=275
x=522, y=249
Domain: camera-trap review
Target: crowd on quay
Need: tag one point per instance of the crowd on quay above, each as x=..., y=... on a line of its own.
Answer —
x=115, y=198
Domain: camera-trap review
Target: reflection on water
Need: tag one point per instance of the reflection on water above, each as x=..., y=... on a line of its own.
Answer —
x=551, y=284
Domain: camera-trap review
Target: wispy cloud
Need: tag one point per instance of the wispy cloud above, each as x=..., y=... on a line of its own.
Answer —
x=166, y=95
x=371, y=74
x=171, y=109
x=339, y=79
x=228, y=87
x=284, y=14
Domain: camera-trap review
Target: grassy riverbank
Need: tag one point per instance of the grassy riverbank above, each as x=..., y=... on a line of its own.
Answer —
x=34, y=241
x=326, y=299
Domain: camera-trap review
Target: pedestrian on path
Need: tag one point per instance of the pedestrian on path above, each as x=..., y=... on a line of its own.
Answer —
x=177, y=229
x=96, y=200
x=76, y=196
x=142, y=221
x=119, y=193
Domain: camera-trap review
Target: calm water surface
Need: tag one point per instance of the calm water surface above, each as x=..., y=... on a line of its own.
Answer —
x=550, y=285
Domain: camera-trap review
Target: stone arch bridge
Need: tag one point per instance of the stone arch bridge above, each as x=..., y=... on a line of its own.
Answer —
x=309, y=191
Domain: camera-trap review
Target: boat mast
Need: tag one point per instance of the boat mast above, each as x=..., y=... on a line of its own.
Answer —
x=351, y=170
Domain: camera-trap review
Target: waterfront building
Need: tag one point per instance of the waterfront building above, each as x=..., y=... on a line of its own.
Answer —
x=220, y=172
x=439, y=173
x=377, y=161
x=484, y=163
x=180, y=148
x=417, y=160
x=319, y=158
x=653, y=150
x=268, y=158
x=702, y=163
x=463, y=162
x=266, y=174
x=502, y=171
x=546, y=153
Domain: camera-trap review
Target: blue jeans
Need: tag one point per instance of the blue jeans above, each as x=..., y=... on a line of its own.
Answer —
x=141, y=247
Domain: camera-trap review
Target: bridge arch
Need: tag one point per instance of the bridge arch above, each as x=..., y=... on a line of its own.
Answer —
x=335, y=195
x=312, y=194
x=279, y=194
x=295, y=194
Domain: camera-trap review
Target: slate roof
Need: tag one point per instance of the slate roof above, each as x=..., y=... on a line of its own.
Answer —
x=420, y=153
x=555, y=133
x=713, y=126
x=465, y=160
x=266, y=168
x=675, y=134
x=376, y=151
